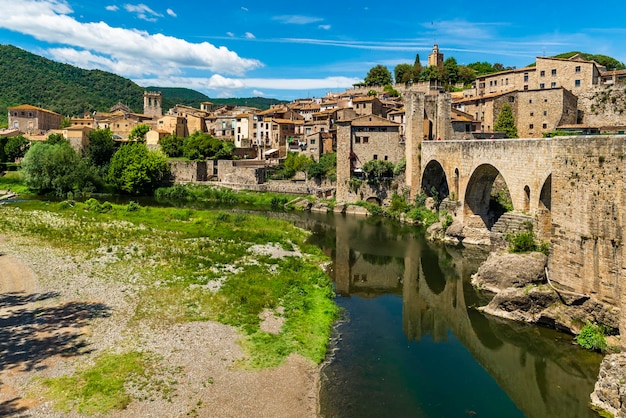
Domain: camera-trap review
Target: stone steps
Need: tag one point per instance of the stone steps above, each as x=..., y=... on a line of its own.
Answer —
x=512, y=223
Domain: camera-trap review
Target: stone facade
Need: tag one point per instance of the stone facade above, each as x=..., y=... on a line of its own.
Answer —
x=33, y=120
x=189, y=171
x=152, y=104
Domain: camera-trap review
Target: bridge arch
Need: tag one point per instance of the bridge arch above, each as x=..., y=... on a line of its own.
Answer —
x=435, y=181
x=375, y=200
x=544, y=210
x=478, y=195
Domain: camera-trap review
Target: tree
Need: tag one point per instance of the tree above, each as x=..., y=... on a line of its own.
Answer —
x=430, y=74
x=403, y=73
x=172, y=145
x=66, y=122
x=377, y=169
x=466, y=75
x=55, y=139
x=450, y=71
x=506, y=122
x=16, y=147
x=325, y=168
x=3, y=141
x=57, y=168
x=138, y=133
x=295, y=162
x=136, y=170
x=417, y=66
x=378, y=76
x=101, y=147
x=200, y=146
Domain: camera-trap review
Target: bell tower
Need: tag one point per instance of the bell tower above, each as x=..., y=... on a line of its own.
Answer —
x=152, y=104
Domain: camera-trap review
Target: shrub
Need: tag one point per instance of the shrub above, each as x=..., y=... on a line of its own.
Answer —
x=591, y=337
x=132, y=206
x=92, y=205
x=525, y=242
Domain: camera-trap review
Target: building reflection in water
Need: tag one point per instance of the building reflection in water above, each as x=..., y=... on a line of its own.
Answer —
x=543, y=374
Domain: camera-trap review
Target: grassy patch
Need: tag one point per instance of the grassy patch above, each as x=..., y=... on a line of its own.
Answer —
x=11, y=181
x=195, y=265
x=101, y=387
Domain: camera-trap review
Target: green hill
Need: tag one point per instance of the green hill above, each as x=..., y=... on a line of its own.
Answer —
x=26, y=78
x=176, y=95
x=609, y=62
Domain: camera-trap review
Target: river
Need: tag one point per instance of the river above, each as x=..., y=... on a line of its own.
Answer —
x=412, y=344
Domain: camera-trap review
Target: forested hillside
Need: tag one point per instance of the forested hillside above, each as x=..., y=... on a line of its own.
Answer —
x=26, y=78
x=175, y=95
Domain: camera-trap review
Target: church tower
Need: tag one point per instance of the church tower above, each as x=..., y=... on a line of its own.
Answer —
x=152, y=104
x=435, y=59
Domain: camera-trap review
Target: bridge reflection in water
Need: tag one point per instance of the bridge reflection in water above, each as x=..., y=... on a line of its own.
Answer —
x=387, y=277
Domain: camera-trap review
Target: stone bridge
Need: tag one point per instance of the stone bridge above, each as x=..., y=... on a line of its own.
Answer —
x=572, y=187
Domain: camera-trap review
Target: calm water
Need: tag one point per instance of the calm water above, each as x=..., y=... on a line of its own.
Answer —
x=411, y=343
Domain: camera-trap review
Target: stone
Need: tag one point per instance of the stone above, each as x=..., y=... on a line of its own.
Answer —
x=609, y=393
x=505, y=270
x=435, y=232
x=340, y=208
x=319, y=207
x=356, y=210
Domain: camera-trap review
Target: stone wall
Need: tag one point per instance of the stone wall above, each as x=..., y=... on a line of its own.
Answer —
x=188, y=171
x=603, y=106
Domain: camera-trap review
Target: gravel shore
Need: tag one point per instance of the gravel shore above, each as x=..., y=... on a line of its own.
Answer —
x=60, y=312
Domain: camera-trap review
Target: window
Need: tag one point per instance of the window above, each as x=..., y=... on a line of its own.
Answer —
x=312, y=142
x=545, y=100
x=531, y=126
x=525, y=87
x=495, y=82
x=357, y=140
x=511, y=99
x=506, y=81
x=542, y=73
x=375, y=156
x=577, y=69
x=525, y=77
x=386, y=158
x=532, y=113
x=553, y=72
x=530, y=101
x=545, y=126
x=542, y=86
x=577, y=83
x=491, y=83
x=545, y=113
x=366, y=139
x=553, y=84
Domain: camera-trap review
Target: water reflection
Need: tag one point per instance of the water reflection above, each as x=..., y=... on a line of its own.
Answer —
x=413, y=344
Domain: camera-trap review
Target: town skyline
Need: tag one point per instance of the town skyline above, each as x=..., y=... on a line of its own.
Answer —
x=287, y=51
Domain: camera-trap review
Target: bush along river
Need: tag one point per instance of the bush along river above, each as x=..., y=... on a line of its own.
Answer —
x=412, y=344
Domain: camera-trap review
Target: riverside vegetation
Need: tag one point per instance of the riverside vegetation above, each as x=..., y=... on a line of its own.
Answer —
x=185, y=265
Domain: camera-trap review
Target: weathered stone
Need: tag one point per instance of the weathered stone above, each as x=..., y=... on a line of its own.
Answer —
x=522, y=304
x=356, y=210
x=340, y=208
x=319, y=207
x=430, y=204
x=504, y=270
x=436, y=232
x=302, y=204
x=609, y=393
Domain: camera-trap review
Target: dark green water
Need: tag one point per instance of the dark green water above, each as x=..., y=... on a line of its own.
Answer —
x=411, y=343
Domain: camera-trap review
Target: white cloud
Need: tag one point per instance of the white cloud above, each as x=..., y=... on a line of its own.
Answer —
x=143, y=12
x=230, y=34
x=245, y=9
x=171, y=13
x=112, y=8
x=297, y=19
x=258, y=93
x=250, y=35
x=325, y=27
x=151, y=54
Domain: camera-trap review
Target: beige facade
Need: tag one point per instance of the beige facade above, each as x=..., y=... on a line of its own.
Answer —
x=435, y=58
x=369, y=105
x=77, y=136
x=172, y=124
x=33, y=120
x=152, y=104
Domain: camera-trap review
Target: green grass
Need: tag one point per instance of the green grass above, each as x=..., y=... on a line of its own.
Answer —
x=174, y=254
x=100, y=388
x=11, y=180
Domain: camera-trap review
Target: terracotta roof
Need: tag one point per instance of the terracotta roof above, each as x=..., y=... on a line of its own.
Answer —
x=30, y=107
x=372, y=120
x=364, y=99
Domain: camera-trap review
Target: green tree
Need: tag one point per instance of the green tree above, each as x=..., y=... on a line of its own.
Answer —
x=377, y=169
x=66, y=122
x=3, y=142
x=295, y=162
x=325, y=168
x=506, y=122
x=200, y=146
x=482, y=68
x=57, y=168
x=138, y=133
x=136, y=170
x=16, y=147
x=101, y=147
x=391, y=92
x=417, y=68
x=450, y=71
x=466, y=75
x=55, y=139
x=430, y=74
x=378, y=76
x=403, y=73
x=172, y=145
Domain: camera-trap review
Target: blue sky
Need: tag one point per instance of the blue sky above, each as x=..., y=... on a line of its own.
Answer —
x=287, y=49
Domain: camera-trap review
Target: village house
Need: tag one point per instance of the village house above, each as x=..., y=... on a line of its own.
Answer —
x=33, y=120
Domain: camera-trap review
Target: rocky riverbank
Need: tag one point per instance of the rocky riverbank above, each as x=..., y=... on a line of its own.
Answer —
x=60, y=312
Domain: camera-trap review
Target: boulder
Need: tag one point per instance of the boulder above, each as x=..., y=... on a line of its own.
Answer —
x=357, y=210
x=504, y=270
x=319, y=207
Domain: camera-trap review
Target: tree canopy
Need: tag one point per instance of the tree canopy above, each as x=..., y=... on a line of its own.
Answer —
x=378, y=76
x=136, y=170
